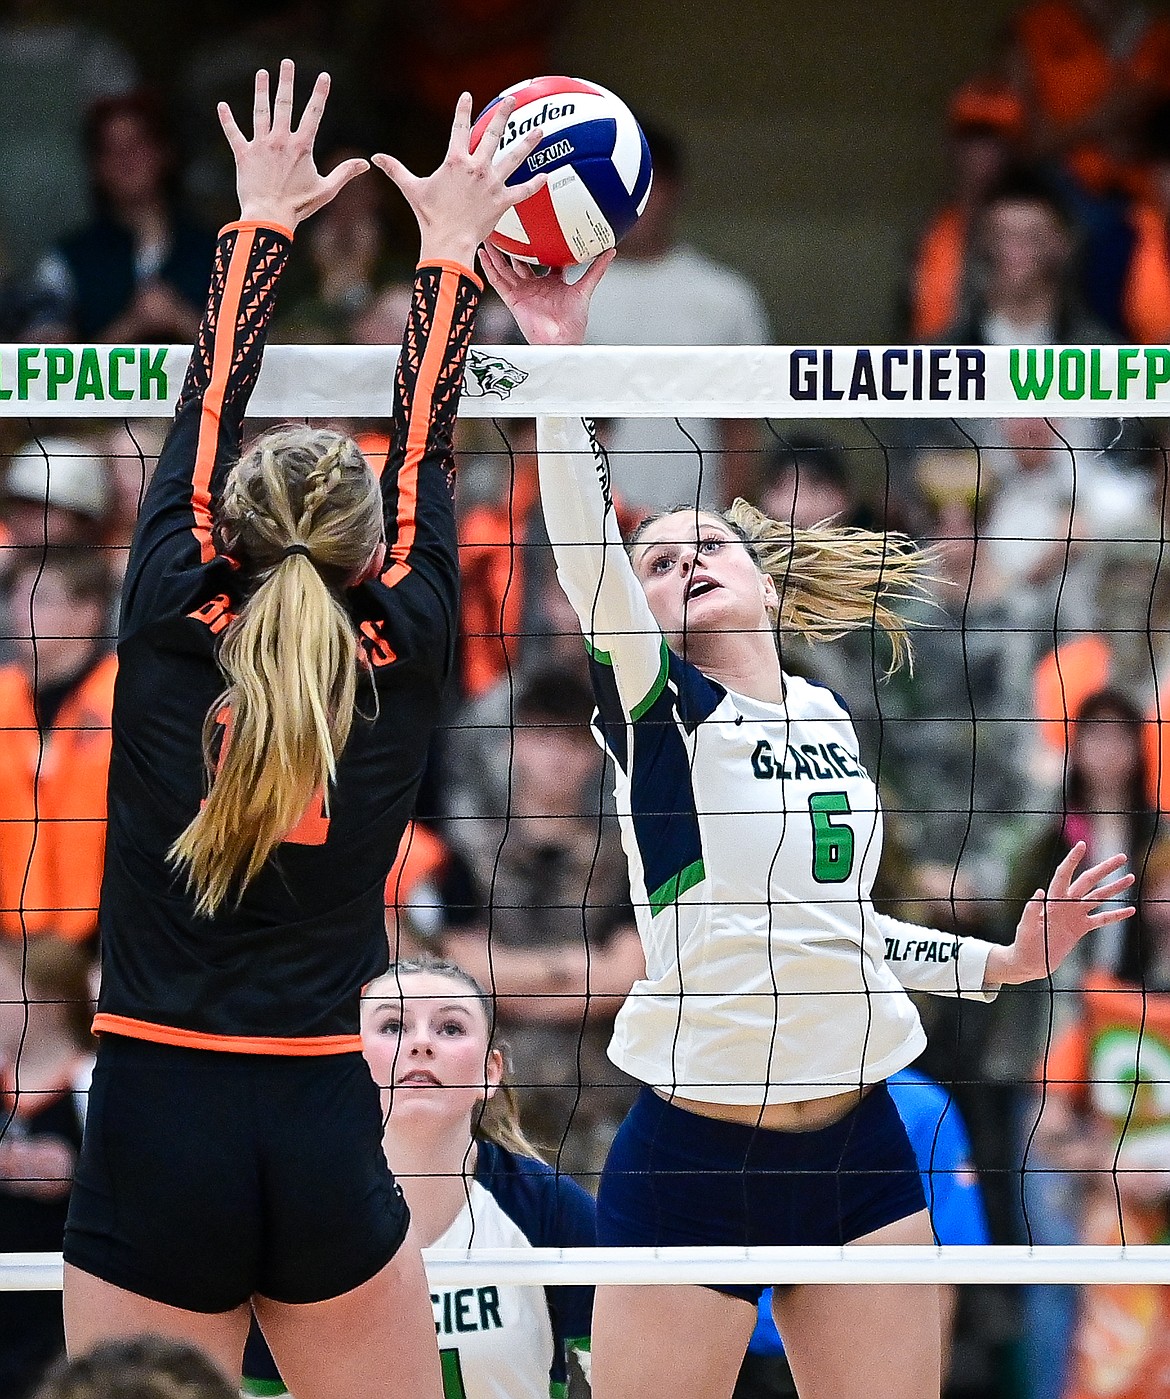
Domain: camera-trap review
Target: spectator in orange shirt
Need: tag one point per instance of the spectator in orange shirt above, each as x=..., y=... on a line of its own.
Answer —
x=446, y=47
x=1026, y=292
x=1128, y=649
x=1104, y=795
x=1146, y=297
x=507, y=568
x=1104, y=1124
x=413, y=900
x=1088, y=72
x=985, y=122
x=55, y=703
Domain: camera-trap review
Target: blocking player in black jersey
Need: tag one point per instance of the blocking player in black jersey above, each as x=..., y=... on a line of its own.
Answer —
x=287, y=627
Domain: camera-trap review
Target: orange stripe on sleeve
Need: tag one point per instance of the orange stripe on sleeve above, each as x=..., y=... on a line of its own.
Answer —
x=420, y=426
x=457, y=267
x=212, y=409
x=250, y=224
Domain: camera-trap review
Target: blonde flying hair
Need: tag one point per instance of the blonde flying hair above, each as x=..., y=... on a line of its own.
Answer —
x=830, y=579
x=290, y=655
x=498, y=1119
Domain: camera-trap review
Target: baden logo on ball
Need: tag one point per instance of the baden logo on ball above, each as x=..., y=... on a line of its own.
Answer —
x=598, y=165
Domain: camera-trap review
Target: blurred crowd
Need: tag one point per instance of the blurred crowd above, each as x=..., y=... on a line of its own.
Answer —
x=1032, y=718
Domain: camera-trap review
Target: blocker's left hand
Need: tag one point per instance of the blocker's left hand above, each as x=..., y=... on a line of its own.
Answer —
x=1055, y=919
x=276, y=178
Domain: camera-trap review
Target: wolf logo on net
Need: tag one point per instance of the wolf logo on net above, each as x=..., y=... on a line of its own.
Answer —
x=488, y=374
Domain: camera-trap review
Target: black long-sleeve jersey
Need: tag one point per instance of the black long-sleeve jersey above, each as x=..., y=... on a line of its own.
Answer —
x=281, y=971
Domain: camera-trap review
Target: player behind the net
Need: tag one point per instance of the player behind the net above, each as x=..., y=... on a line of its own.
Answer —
x=775, y=1000
x=287, y=628
x=453, y=1138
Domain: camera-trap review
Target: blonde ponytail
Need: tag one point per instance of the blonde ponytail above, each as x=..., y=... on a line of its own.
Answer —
x=303, y=511
x=834, y=579
x=499, y=1120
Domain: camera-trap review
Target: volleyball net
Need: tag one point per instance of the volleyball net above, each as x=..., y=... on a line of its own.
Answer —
x=1038, y=474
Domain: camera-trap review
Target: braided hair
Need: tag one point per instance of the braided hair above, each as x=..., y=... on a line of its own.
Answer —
x=302, y=514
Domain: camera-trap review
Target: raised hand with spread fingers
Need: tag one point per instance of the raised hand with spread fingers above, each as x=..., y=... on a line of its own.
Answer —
x=1057, y=918
x=461, y=202
x=277, y=179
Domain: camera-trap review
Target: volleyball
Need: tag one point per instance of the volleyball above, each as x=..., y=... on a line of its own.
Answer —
x=598, y=165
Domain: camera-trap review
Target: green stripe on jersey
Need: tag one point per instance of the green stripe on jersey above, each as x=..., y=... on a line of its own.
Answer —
x=261, y=1388
x=657, y=688
x=676, y=887
x=558, y=1389
x=600, y=656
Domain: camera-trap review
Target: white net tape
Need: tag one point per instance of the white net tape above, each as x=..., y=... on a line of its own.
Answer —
x=563, y=1267
x=303, y=381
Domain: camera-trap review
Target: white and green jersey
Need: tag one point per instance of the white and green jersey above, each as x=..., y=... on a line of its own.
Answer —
x=497, y=1341
x=753, y=834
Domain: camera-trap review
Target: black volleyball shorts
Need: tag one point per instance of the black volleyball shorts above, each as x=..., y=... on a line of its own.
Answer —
x=207, y=1177
x=676, y=1178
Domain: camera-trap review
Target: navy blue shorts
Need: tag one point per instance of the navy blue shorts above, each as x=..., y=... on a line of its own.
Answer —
x=206, y=1177
x=676, y=1179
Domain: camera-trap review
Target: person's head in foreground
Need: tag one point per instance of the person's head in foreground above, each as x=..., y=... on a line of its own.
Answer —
x=147, y=1367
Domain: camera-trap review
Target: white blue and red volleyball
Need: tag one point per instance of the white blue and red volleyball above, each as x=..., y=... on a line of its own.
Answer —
x=598, y=165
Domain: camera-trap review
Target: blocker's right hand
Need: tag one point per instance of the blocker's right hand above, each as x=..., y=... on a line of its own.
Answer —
x=276, y=178
x=549, y=310
x=459, y=205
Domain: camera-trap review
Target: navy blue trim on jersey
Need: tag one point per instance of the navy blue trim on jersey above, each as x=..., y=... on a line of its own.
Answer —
x=841, y=700
x=677, y=1179
x=698, y=695
x=610, y=719
x=552, y=1211
x=662, y=805
x=662, y=796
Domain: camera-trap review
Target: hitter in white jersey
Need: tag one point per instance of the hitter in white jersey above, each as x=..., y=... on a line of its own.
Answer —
x=774, y=1004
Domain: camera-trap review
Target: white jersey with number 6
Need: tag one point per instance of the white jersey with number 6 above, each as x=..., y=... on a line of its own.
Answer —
x=753, y=833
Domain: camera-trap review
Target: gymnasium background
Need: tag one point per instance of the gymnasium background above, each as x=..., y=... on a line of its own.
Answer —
x=814, y=131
